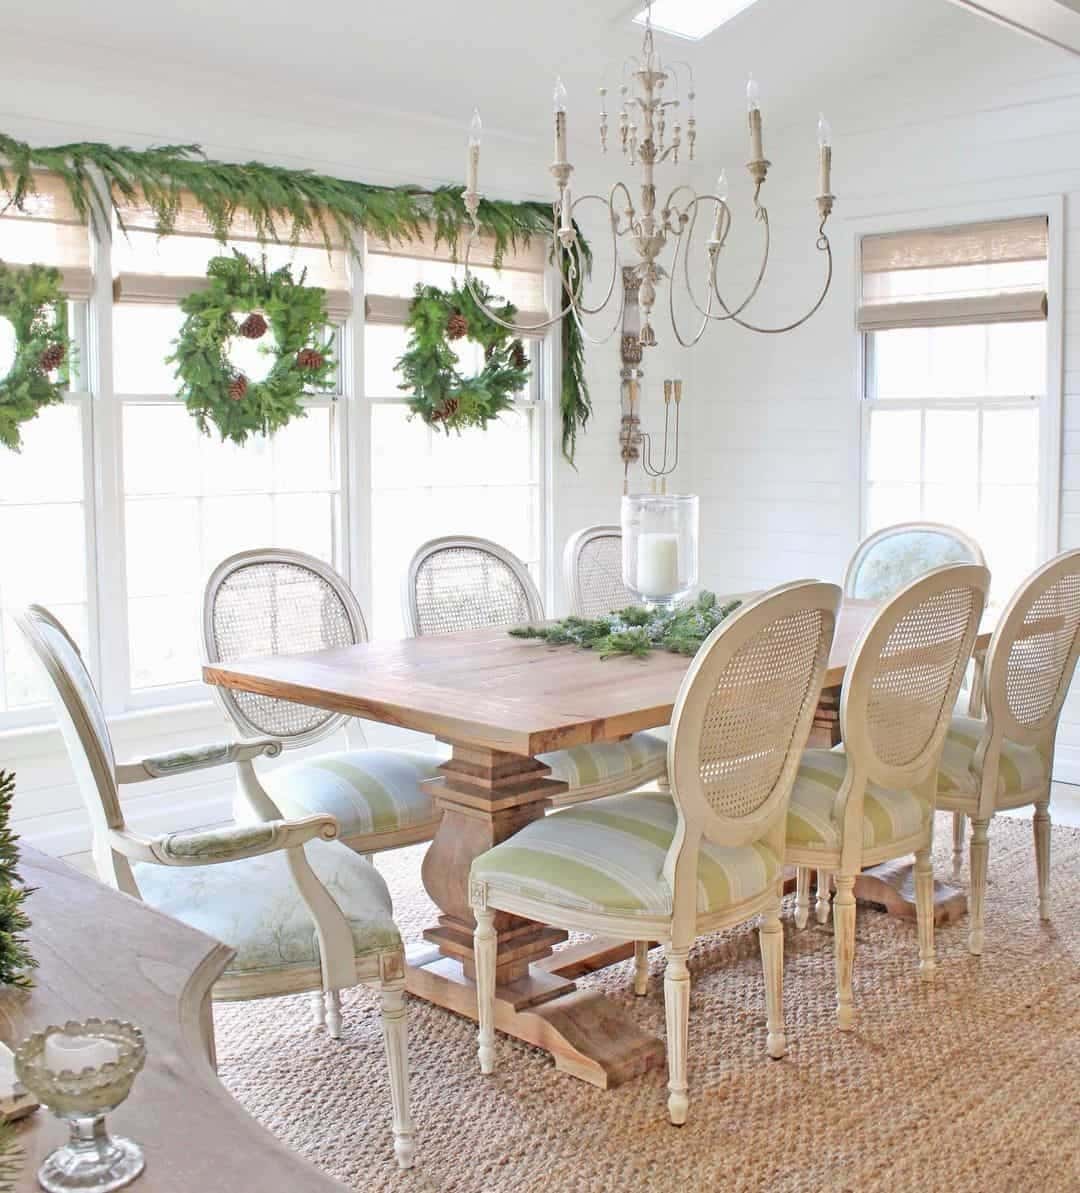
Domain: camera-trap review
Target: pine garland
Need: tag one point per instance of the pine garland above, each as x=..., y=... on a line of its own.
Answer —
x=284, y=203
x=15, y=958
x=637, y=631
x=11, y=1157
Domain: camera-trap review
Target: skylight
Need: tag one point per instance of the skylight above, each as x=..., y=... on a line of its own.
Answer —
x=692, y=19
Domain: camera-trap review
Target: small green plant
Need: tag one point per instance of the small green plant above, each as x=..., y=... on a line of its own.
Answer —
x=15, y=958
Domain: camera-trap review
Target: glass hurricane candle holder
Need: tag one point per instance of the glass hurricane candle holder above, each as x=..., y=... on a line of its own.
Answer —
x=660, y=546
x=81, y=1071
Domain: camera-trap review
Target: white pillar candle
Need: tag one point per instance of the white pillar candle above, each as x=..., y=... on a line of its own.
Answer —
x=75, y=1053
x=658, y=565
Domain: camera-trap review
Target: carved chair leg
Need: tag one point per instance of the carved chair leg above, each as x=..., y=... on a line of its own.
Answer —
x=821, y=907
x=333, y=1014
x=318, y=1008
x=395, y=1037
x=959, y=825
x=485, y=945
x=980, y=860
x=641, y=967
x=1041, y=827
x=771, y=939
x=924, y=913
x=844, y=942
x=802, y=896
x=677, y=1011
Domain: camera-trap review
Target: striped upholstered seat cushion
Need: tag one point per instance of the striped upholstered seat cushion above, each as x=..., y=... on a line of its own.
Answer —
x=369, y=791
x=608, y=856
x=887, y=815
x=1021, y=769
x=621, y=764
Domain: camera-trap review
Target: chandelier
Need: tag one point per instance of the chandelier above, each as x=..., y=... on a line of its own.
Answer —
x=645, y=113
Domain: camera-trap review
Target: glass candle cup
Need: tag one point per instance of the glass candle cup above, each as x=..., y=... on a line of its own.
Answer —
x=660, y=546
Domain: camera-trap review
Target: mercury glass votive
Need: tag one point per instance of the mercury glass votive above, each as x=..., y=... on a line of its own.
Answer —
x=660, y=546
x=81, y=1071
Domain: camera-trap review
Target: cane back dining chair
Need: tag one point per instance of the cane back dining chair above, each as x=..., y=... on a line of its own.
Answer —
x=300, y=910
x=269, y=601
x=462, y=583
x=1006, y=760
x=592, y=571
x=670, y=866
x=871, y=799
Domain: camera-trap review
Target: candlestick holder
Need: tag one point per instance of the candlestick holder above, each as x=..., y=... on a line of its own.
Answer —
x=661, y=469
x=92, y=1161
x=660, y=546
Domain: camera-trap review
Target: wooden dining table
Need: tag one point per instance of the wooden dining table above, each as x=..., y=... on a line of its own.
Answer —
x=498, y=702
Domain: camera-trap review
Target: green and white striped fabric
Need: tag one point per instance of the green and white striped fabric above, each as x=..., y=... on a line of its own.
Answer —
x=633, y=761
x=887, y=815
x=369, y=791
x=1021, y=768
x=608, y=856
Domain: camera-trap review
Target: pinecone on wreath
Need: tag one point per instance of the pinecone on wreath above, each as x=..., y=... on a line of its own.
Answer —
x=253, y=327
x=51, y=358
x=309, y=358
x=446, y=411
x=457, y=326
x=238, y=387
x=518, y=356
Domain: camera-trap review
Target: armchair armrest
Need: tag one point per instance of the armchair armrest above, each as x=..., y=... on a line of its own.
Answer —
x=178, y=762
x=227, y=843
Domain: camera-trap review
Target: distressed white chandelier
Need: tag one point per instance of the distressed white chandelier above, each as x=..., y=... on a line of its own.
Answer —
x=644, y=116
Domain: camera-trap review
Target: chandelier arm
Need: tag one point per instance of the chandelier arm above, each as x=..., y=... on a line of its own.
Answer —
x=706, y=313
x=823, y=246
x=516, y=328
x=762, y=214
x=689, y=233
x=575, y=299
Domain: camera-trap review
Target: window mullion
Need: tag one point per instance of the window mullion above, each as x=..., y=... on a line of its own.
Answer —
x=356, y=477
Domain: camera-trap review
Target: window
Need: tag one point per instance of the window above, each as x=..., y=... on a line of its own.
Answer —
x=118, y=508
x=955, y=376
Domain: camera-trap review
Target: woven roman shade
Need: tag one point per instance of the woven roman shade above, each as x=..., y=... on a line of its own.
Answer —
x=179, y=259
x=992, y=272
x=48, y=230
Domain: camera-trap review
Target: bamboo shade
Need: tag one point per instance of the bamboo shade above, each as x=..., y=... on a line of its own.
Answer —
x=47, y=230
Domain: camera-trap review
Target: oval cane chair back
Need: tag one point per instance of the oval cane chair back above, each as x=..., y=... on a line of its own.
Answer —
x=592, y=568
x=1032, y=655
x=462, y=583
x=906, y=671
x=744, y=711
x=890, y=558
x=266, y=602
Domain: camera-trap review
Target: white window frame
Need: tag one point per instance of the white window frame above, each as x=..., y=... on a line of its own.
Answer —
x=1051, y=403
x=103, y=493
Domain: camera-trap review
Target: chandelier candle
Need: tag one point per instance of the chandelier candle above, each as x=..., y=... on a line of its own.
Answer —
x=824, y=137
x=475, y=129
x=753, y=111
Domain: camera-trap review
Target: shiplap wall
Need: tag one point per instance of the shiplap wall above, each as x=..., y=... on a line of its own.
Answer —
x=989, y=119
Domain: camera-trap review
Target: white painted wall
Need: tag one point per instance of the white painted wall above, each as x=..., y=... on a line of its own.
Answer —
x=979, y=123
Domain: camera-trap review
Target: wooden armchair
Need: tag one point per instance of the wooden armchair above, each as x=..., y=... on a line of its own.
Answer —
x=301, y=911
x=709, y=854
x=468, y=584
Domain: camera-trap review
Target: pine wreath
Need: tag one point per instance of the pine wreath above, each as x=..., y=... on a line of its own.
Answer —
x=440, y=395
x=214, y=391
x=32, y=299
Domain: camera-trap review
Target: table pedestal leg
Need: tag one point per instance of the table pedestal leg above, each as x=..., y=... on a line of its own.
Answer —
x=486, y=796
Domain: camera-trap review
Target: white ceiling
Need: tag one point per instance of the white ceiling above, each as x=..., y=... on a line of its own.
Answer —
x=437, y=58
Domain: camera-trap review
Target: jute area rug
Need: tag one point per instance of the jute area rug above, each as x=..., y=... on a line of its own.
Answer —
x=970, y=1084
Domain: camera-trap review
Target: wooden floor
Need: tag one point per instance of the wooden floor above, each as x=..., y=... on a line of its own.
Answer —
x=1064, y=810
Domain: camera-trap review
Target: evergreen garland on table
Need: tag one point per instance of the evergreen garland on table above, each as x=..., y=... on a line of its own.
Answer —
x=11, y=1157
x=637, y=631
x=32, y=299
x=440, y=395
x=284, y=203
x=211, y=387
x=15, y=958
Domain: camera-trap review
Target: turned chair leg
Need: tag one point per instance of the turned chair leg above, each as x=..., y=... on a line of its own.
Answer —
x=677, y=1012
x=924, y=913
x=1041, y=827
x=317, y=1002
x=771, y=939
x=333, y=1014
x=844, y=942
x=485, y=945
x=641, y=967
x=395, y=1037
x=959, y=825
x=980, y=860
x=802, y=896
x=821, y=907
